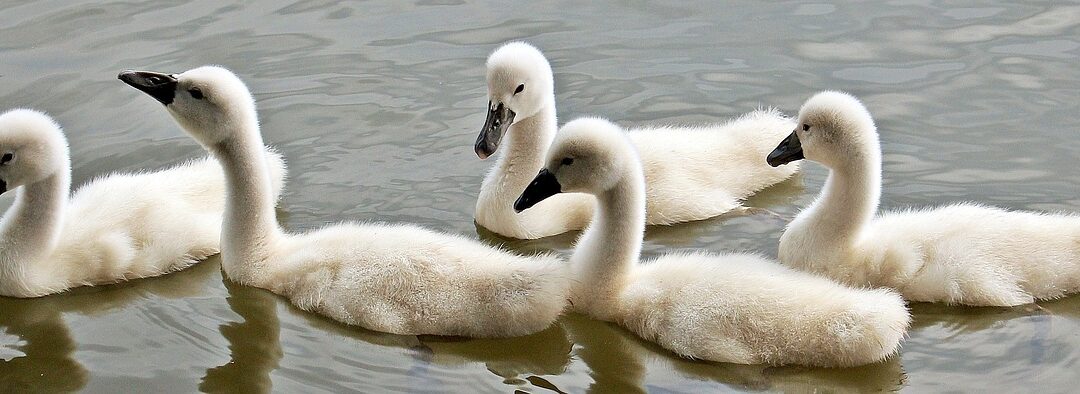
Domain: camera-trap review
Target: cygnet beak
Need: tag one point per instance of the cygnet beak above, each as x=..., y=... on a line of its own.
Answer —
x=159, y=86
x=499, y=119
x=543, y=186
x=789, y=150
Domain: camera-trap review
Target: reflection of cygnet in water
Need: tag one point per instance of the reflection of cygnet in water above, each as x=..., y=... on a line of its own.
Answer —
x=419, y=361
x=42, y=359
x=620, y=362
x=544, y=353
x=254, y=343
x=1037, y=340
x=46, y=363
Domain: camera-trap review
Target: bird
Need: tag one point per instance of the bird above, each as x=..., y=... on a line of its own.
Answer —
x=723, y=307
x=394, y=278
x=117, y=227
x=691, y=172
x=965, y=253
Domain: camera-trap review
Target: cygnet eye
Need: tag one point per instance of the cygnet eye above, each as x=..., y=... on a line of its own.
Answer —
x=196, y=93
x=567, y=161
x=805, y=127
x=519, y=89
x=7, y=158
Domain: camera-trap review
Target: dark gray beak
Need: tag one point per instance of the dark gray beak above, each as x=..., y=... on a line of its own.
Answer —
x=159, y=86
x=543, y=186
x=499, y=119
x=3, y=186
x=789, y=150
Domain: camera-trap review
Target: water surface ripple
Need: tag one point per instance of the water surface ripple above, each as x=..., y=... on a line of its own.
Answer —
x=375, y=104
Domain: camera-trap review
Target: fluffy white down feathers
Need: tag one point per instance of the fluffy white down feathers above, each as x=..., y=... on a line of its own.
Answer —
x=399, y=279
x=726, y=307
x=117, y=227
x=958, y=254
x=691, y=173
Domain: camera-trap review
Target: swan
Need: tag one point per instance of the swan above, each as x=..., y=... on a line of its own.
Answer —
x=964, y=253
x=395, y=278
x=117, y=227
x=691, y=173
x=738, y=308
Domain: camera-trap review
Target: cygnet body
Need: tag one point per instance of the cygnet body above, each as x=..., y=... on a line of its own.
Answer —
x=729, y=307
x=691, y=173
x=957, y=254
x=394, y=278
x=117, y=227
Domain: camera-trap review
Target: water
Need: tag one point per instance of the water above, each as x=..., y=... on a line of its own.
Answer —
x=376, y=105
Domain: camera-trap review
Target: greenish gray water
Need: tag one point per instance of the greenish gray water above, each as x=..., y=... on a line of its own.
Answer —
x=375, y=104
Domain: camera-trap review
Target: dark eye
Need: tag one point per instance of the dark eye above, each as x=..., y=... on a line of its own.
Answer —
x=519, y=89
x=196, y=93
x=7, y=158
x=567, y=161
x=805, y=127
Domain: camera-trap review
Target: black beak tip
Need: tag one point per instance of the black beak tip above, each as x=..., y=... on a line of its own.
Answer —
x=126, y=75
x=161, y=87
x=774, y=161
x=482, y=151
x=498, y=120
x=789, y=150
x=524, y=202
x=780, y=157
x=543, y=186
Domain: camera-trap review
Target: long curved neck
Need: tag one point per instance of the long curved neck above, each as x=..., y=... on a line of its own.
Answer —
x=249, y=229
x=610, y=246
x=850, y=198
x=524, y=147
x=30, y=229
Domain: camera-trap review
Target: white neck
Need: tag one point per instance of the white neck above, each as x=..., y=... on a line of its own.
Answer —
x=30, y=229
x=524, y=147
x=610, y=246
x=249, y=229
x=847, y=203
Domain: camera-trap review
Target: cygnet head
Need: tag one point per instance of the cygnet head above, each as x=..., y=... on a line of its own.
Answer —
x=209, y=102
x=520, y=84
x=32, y=148
x=833, y=127
x=589, y=155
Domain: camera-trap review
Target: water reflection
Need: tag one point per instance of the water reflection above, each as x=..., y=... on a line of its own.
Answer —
x=46, y=363
x=544, y=353
x=425, y=361
x=615, y=358
x=376, y=104
x=254, y=343
x=619, y=362
x=41, y=357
